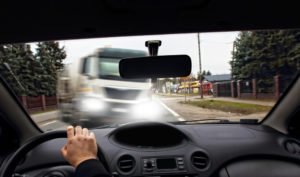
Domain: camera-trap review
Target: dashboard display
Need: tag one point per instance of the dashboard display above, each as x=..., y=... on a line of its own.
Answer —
x=166, y=163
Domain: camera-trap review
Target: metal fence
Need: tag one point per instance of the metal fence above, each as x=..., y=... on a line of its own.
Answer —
x=222, y=89
x=257, y=89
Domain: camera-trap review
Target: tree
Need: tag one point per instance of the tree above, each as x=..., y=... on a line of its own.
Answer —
x=10, y=67
x=264, y=54
x=51, y=57
x=29, y=74
x=26, y=72
x=204, y=73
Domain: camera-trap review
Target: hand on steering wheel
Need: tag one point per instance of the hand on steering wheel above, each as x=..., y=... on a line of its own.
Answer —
x=9, y=167
x=81, y=146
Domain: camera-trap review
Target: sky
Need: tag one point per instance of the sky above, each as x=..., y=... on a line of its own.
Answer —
x=215, y=48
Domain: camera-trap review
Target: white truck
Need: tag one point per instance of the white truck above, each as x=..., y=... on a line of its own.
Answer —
x=91, y=89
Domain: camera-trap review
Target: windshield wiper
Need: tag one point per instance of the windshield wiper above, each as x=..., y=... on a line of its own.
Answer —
x=217, y=120
x=202, y=120
x=249, y=121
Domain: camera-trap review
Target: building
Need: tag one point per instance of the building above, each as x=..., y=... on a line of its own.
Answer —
x=221, y=84
x=218, y=78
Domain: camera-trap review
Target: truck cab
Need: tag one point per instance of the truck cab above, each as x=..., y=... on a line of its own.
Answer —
x=100, y=93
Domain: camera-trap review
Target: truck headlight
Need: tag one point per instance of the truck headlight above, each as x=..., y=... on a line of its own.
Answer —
x=92, y=104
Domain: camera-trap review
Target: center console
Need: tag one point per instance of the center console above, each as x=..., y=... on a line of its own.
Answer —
x=163, y=165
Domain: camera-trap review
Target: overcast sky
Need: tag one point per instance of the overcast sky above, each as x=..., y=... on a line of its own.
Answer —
x=215, y=48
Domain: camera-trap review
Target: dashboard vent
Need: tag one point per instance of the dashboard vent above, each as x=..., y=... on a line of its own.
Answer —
x=292, y=147
x=126, y=163
x=200, y=160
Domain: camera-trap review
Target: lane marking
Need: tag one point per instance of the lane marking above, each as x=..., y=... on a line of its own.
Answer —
x=167, y=108
x=48, y=123
x=181, y=119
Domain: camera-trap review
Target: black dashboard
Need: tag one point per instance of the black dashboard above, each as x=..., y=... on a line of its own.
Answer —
x=161, y=149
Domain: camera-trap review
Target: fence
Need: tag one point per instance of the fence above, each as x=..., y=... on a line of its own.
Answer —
x=252, y=89
x=245, y=88
x=39, y=102
x=222, y=89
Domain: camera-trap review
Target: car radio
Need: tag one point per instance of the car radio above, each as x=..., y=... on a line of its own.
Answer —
x=160, y=165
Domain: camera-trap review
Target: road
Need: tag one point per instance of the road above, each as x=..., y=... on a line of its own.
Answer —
x=170, y=110
x=50, y=120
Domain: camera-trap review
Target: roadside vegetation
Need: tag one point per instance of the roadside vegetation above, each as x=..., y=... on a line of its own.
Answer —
x=32, y=74
x=227, y=106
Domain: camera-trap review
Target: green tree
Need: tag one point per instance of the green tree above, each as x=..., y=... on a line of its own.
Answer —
x=264, y=54
x=51, y=56
x=204, y=73
x=26, y=73
x=10, y=58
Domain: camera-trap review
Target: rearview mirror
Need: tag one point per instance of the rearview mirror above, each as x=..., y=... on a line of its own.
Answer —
x=155, y=67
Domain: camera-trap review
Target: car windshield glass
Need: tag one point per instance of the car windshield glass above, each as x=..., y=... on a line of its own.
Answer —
x=236, y=77
x=109, y=67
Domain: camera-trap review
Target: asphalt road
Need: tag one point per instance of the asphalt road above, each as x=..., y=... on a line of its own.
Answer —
x=170, y=110
x=50, y=120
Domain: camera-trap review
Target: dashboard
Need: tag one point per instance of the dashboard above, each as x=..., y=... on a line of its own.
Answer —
x=162, y=149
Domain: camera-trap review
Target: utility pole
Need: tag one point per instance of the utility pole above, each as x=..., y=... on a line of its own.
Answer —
x=200, y=67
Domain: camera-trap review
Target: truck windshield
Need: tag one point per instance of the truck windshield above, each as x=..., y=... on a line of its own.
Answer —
x=109, y=69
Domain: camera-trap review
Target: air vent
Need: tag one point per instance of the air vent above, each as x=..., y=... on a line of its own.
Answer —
x=126, y=163
x=292, y=147
x=200, y=160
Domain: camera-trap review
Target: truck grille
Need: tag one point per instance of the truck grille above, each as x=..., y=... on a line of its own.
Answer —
x=122, y=94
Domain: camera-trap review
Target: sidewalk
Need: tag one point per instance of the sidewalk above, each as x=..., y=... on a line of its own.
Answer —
x=193, y=97
x=46, y=116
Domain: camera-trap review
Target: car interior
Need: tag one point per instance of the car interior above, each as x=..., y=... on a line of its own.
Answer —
x=268, y=148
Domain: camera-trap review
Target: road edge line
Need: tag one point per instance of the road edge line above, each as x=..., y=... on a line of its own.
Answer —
x=167, y=108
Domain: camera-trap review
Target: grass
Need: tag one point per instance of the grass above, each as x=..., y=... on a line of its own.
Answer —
x=227, y=106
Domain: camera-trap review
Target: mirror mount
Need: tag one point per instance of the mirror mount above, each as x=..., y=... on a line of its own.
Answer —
x=153, y=46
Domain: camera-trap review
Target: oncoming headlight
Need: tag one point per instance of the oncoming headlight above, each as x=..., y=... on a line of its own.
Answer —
x=92, y=104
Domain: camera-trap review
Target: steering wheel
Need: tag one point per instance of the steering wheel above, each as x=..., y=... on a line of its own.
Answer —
x=13, y=161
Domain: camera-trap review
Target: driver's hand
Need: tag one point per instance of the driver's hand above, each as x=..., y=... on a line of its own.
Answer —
x=81, y=146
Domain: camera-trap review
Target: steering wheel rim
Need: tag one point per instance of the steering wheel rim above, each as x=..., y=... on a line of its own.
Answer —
x=13, y=161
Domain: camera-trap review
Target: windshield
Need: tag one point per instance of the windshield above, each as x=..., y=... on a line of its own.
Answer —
x=109, y=69
x=236, y=77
